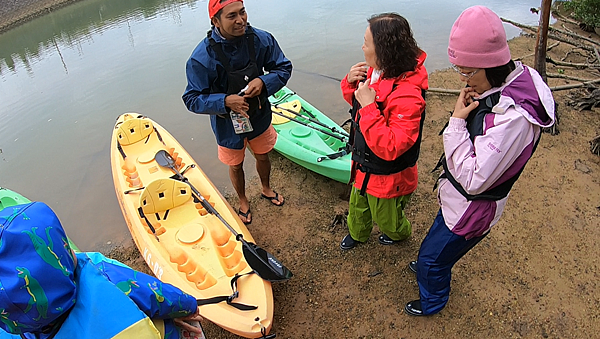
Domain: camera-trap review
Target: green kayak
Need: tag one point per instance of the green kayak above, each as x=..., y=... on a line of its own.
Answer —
x=308, y=137
x=10, y=198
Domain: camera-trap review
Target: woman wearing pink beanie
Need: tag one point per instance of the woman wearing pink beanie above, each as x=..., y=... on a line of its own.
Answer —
x=492, y=133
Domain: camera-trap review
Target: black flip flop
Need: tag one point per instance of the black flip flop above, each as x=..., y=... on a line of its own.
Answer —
x=245, y=215
x=274, y=200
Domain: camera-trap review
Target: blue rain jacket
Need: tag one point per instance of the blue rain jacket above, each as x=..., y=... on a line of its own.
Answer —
x=207, y=82
x=40, y=285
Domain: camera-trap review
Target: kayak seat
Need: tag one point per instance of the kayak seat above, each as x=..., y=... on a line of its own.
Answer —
x=134, y=129
x=164, y=194
x=160, y=196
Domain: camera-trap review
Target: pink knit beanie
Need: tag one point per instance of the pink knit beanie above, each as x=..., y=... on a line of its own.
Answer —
x=478, y=40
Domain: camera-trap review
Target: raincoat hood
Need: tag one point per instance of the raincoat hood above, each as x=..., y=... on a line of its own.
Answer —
x=525, y=90
x=37, y=283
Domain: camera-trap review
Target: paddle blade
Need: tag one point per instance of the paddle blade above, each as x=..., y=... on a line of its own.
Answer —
x=164, y=159
x=264, y=264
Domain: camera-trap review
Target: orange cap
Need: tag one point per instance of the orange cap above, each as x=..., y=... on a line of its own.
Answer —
x=214, y=6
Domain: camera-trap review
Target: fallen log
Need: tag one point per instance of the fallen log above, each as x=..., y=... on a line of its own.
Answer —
x=587, y=102
x=575, y=35
x=564, y=18
x=571, y=64
x=444, y=91
x=551, y=36
x=568, y=77
x=555, y=88
x=570, y=42
x=532, y=54
x=582, y=84
x=552, y=28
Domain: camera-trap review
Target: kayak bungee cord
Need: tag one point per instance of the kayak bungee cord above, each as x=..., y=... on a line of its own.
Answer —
x=340, y=138
x=332, y=128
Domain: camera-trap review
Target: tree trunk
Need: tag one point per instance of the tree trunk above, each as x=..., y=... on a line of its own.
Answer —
x=542, y=39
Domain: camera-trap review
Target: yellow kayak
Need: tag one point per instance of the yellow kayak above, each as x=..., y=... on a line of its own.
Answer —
x=182, y=243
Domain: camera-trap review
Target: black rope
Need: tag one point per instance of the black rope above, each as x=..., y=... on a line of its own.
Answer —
x=229, y=298
x=141, y=212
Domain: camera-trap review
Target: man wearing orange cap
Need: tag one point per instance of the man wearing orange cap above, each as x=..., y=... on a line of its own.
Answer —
x=226, y=79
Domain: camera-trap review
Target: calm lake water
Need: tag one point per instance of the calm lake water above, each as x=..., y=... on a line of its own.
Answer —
x=66, y=76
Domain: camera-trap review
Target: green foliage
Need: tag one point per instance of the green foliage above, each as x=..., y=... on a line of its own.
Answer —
x=586, y=11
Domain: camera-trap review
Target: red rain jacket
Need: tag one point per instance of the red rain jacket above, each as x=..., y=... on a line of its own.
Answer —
x=393, y=129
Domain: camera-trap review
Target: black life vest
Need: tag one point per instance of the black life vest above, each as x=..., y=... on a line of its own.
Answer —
x=475, y=122
x=238, y=79
x=368, y=162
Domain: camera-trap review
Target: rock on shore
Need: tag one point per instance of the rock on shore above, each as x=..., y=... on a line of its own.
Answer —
x=15, y=12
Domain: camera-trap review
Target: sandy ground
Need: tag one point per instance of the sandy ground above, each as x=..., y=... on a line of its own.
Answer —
x=534, y=276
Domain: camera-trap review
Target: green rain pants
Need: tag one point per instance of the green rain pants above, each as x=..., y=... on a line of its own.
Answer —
x=387, y=213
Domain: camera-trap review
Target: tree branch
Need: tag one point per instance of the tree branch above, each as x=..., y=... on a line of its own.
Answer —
x=532, y=54
x=556, y=88
x=531, y=28
x=575, y=35
x=583, y=84
x=570, y=42
x=551, y=36
x=565, y=19
x=563, y=76
x=444, y=91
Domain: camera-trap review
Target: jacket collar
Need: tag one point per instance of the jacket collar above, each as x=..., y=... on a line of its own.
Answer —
x=218, y=37
x=387, y=85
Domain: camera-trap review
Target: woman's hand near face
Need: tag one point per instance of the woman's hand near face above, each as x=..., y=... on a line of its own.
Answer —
x=357, y=72
x=465, y=103
x=364, y=94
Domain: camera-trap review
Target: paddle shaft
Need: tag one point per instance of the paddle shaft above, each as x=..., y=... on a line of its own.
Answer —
x=340, y=138
x=333, y=129
x=204, y=202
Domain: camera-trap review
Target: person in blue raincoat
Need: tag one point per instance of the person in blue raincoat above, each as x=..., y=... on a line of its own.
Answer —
x=226, y=79
x=47, y=291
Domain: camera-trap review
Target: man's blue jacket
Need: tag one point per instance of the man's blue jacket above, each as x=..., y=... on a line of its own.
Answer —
x=207, y=82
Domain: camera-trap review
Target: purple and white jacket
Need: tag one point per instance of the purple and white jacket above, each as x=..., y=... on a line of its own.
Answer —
x=509, y=135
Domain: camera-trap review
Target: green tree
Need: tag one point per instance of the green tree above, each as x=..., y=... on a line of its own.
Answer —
x=586, y=11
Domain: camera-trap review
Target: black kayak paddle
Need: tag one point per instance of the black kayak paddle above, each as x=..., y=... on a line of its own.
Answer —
x=261, y=261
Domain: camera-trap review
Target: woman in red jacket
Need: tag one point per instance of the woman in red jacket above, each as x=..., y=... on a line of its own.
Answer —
x=386, y=92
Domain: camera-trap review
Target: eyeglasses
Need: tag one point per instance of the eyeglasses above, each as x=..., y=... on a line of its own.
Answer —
x=466, y=75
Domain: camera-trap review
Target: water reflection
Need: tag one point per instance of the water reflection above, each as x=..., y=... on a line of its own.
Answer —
x=78, y=23
x=66, y=76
